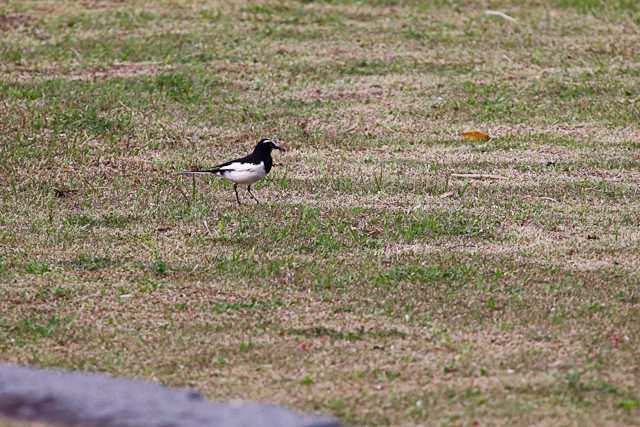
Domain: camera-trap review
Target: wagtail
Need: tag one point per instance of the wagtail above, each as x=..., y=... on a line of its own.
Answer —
x=246, y=170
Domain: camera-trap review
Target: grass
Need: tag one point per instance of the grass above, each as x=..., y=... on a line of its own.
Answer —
x=370, y=284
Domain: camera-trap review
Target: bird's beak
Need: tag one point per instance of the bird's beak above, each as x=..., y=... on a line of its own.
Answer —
x=281, y=146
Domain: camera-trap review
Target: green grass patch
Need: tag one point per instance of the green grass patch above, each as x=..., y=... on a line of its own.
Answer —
x=367, y=258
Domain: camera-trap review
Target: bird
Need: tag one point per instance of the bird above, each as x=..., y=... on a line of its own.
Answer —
x=246, y=170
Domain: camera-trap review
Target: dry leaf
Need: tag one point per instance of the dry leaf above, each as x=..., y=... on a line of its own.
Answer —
x=476, y=135
x=447, y=194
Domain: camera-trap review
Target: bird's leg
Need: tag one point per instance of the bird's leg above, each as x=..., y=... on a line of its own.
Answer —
x=235, y=188
x=254, y=197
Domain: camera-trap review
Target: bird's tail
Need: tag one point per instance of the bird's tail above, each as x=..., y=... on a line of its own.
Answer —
x=200, y=172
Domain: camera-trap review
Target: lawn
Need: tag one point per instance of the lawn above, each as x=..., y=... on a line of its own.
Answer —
x=372, y=282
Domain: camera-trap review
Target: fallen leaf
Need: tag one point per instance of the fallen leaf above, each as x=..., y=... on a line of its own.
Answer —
x=447, y=194
x=476, y=135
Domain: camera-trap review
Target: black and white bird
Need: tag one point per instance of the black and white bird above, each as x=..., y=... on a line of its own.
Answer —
x=247, y=170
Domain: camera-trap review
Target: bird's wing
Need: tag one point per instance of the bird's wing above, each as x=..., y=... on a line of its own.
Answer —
x=233, y=164
x=243, y=164
x=237, y=167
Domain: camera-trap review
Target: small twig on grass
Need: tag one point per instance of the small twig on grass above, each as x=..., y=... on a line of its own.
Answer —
x=76, y=54
x=550, y=199
x=351, y=128
x=477, y=176
x=500, y=15
x=378, y=180
x=126, y=107
x=206, y=227
x=186, y=199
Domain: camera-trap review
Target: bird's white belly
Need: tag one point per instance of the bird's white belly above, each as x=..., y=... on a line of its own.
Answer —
x=244, y=174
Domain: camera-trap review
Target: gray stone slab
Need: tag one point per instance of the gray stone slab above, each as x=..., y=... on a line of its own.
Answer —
x=95, y=400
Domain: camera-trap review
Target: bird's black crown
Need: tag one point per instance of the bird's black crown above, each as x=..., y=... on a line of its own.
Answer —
x=267, y=144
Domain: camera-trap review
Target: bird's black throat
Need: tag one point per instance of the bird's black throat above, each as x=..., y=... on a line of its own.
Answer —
x=262, y=153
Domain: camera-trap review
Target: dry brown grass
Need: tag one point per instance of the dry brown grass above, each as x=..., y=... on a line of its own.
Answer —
x=355, y=289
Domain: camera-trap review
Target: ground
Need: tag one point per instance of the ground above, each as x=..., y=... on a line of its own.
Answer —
x=371, y=283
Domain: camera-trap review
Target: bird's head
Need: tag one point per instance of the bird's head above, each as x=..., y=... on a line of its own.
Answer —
x=268, y=144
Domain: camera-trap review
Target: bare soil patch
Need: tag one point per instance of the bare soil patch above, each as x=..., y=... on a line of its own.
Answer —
x=12, y=22
x=121, y=70
x=371, y=283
